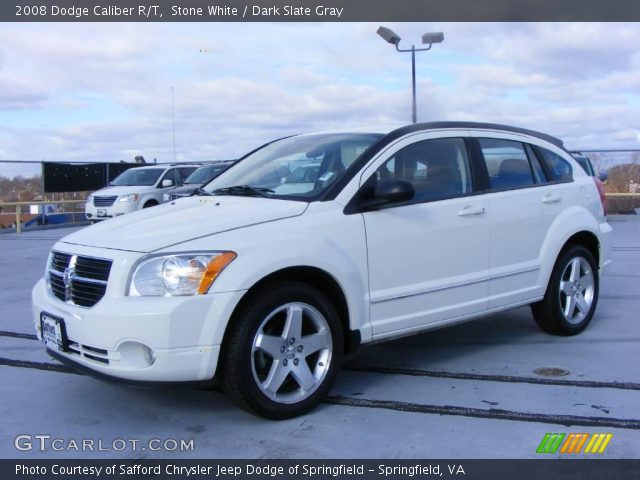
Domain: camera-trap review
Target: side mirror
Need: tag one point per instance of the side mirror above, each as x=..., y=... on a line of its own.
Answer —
x=388, y=192
x=603, y=176
x=166, y=183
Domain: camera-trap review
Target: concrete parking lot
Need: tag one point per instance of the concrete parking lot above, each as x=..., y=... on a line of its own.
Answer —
x=471, y=391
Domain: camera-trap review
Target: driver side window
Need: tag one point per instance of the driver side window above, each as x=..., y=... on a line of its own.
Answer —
x=437, y=168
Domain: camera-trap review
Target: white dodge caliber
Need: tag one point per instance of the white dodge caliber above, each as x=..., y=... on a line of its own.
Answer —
x=423, y=227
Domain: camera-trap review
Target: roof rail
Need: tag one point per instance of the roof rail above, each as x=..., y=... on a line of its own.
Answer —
x=478, y=125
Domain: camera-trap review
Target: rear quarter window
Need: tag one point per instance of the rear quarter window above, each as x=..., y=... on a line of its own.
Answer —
x=559, y=167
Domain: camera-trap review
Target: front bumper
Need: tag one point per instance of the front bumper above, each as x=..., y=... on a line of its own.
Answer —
x=153, y=339
x=117, y=209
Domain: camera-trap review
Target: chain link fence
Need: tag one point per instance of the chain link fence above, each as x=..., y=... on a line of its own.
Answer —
x=22, y=182
x=622, y=185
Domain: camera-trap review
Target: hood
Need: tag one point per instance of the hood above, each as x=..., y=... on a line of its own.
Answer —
x=182, y=220
x=110, y=191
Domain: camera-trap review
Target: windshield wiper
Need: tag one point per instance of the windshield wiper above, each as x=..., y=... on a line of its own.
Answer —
x=244, y=190
x=201, y=191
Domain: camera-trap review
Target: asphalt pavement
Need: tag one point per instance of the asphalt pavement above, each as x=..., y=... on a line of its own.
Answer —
x=491, y=388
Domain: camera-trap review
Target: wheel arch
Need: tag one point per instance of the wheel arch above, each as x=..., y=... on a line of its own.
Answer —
x=586, y=239
x=314, y=277
x=574, y=226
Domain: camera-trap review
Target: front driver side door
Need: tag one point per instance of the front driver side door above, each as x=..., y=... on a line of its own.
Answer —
x=428, y=258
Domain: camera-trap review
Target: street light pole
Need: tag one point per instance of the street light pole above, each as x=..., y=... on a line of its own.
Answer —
x=428, y=38
x=414, y=112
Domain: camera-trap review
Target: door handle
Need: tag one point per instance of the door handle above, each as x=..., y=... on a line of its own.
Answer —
x=551, y=198
x=469, y=210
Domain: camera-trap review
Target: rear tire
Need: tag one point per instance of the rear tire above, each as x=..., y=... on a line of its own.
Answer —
x=283, y=351
x=572, y=293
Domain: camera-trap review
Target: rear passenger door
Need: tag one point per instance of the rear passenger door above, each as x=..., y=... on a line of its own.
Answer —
x=428, y=258
x=517, y=191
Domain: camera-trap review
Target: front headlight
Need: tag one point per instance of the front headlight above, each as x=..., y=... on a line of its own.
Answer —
x=179, y=274
x=129, y=198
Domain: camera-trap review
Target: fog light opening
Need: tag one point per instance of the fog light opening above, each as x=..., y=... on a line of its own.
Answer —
x=137, y=354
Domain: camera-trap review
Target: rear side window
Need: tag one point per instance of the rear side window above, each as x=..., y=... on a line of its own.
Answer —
x=437, y=168
x=558, y=166
x=507, y=164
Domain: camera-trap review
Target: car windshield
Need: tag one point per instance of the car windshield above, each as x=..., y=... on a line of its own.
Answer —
x=205, y=174
x=138, y=176
x=264, y=172
x=304, y=174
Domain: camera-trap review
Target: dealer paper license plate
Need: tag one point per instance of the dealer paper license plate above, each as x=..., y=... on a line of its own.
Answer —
x=53, y=332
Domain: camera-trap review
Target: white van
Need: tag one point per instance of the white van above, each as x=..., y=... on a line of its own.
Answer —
x=134, y=189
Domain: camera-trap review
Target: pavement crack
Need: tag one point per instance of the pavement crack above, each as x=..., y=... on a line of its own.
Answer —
x=493, y=413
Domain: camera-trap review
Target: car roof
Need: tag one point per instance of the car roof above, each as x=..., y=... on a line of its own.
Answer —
x=165, y=166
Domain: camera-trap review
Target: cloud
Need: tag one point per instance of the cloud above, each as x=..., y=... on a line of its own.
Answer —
x=96, y=92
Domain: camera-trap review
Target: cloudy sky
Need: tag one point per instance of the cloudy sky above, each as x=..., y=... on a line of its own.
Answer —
x=102, y=92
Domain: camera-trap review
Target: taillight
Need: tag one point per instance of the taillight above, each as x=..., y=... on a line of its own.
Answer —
x=603, y=197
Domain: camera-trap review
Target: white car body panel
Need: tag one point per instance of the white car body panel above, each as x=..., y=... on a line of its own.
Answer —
x=182, y=220
x=402, y=270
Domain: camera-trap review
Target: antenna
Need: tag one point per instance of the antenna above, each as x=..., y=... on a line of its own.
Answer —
x=173, y=119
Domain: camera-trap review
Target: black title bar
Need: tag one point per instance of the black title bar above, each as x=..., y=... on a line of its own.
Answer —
x=318, y=10
x=384, y=469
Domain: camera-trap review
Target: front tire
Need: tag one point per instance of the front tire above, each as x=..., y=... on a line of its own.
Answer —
x=283, y=351
x=572, y=293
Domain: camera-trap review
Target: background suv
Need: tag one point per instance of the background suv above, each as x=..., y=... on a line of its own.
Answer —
x=134, y=189
x=198, y=178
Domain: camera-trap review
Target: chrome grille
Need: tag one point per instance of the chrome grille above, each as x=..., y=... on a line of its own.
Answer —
x=78, y=280
x=104, y=201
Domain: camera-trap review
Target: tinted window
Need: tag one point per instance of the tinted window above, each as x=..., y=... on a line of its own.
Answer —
x=507, y=163
x=558, y=166
x=205, y=174
x=437, y=168
x=184, y=173
x=585, y=163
